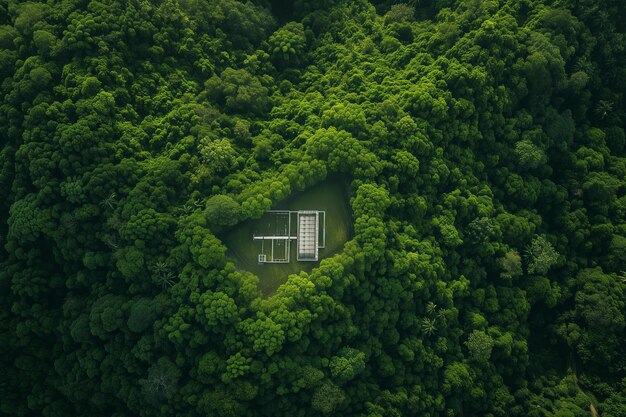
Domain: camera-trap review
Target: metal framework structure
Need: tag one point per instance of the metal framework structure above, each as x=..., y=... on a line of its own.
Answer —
x=308, y=229
x=276, y=244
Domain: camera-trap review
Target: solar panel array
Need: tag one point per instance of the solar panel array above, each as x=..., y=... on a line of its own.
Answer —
x=307, y=235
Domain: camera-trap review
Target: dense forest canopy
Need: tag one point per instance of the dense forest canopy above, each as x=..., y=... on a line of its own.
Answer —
x=485, y=149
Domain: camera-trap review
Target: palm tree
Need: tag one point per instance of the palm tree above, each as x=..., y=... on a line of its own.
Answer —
x=110, y=241
x=162, y=275
x=109, y=201
x=584, y=66
x=414, y=3
x=431, y=307
x=187, y=208
x=603, y=108
x=198, y=203
x=429, y=326
x=602, y=20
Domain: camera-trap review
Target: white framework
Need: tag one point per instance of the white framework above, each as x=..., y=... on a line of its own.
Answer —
x=308, y=229
x=307, y=237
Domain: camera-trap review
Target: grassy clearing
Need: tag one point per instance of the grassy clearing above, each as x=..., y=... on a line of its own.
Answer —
x=331, y=196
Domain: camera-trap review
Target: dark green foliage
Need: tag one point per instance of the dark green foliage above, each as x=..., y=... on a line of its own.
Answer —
x=161, y=382
x=595, y=324
x=483, y=144
x=142, y=315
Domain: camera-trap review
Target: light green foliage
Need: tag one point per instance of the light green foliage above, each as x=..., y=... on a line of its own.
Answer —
x=45, y=42
x=177, y=328
x=345, y=116
x=529, y=155
x=264, y=334
x=511, y=264
x=28, y=14
x=370, y=201
x=239, y=91
x=327, y=398
x=578, y=80
x=480, y=345
x=407, y=164
x=208, y=251
x=456, y=378
x=540, y=255
x=40, y=77
x=217, y=308
x=217, y=155
x=343, y=152
x=400, y=13
x=406, y=126
x=236, y=366
x=348, y=364
x=287, y=45
x=90, y=86
x=449, y=233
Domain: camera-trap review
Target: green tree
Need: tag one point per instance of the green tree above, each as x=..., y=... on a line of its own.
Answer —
x=480, y=345
x=239, y=91
x=529, y=155
x=217, y=155
x=400, y=13
x=328, y=398
x=540, y=255
x=142, y=315
x=218, y=308
x=511, y=264
x=161, y=383
x=265, y=335
x=222, y=210
x=347, y=365
x=236, y=366
x=456, y=378
x=287, y=45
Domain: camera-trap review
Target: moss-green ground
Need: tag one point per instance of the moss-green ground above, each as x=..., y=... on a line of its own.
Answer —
x=330, y=196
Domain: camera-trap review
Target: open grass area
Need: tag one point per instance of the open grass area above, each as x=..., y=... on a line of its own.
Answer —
x=330, y=196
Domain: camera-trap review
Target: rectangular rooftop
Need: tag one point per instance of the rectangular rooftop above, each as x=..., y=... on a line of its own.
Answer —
x=308, y=229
